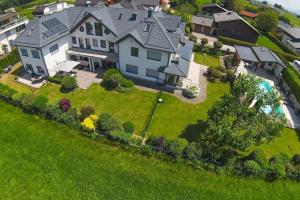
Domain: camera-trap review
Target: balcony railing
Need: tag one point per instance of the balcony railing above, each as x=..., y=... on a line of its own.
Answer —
x=10, y=24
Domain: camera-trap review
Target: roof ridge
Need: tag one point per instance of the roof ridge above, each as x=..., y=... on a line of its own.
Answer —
x=165, y=32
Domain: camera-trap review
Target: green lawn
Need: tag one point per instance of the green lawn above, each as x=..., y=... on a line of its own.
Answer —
x=294, y=19
x=133, y=106
x=174, y=118
x=208, y=60
x=45, y=160
x=266, y=42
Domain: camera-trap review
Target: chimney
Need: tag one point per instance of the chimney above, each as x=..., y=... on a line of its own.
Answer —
x=150, y=12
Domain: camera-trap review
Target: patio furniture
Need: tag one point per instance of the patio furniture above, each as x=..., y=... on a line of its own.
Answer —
x=7, y=69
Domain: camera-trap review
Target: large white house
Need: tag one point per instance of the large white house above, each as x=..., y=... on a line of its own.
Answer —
x=10, y=27
x=143, y=44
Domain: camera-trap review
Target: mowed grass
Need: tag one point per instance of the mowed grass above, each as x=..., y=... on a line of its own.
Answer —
x=207, y=60
x=133, y=106
x=174, y=118
x=45, y=160
x=266, y=42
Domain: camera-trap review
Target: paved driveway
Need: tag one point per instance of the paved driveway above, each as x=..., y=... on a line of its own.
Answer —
x=86, y=78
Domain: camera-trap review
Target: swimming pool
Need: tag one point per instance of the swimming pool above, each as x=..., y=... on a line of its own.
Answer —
x=266, y=87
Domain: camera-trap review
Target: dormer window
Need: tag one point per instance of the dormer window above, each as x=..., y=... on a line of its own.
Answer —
x=133, y=17
x=89, y=28
x=147, y=27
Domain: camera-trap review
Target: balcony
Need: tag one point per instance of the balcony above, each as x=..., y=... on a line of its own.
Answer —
x=13, y=24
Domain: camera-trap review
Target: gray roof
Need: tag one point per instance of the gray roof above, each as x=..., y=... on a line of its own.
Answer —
x=296, y=45
x=231, y=16
x=138, y=4
x=258, y=54
x=163, y=34
x=293, y=32
x=181, y=68
x=246, y=53
x=186, y=50
x=203, y=20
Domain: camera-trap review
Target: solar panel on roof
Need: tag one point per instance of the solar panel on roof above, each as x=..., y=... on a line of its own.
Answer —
x=54, y=26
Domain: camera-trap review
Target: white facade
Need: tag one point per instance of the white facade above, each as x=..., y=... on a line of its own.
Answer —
x=141, y=61
x=49, y=9
x=9, y=32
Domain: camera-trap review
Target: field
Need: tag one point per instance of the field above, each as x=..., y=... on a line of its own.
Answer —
x=266, y=42
x=44, y=160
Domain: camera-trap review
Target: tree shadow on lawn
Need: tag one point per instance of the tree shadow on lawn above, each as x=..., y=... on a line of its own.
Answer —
x=192, y=132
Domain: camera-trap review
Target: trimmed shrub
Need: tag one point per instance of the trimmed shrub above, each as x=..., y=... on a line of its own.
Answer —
x=293, y=172
x=275, y=171
x=281, y=159
x=55, y=79
x=107, y=123
x=68, y=83
x=296, y=159
x=65, y=104
x=39, y=104
x=258, y=156
x=175, y=147
x=127, y=83
x=6, y=93
x=27, y=102
x=114, y=81
x=232, y=42
x=251, y=168
x=193, y=151
x=146, y=150
x=230, y=75
x=293, y=80
x=86, y=111
x=88, y=123
x=120, y=136
x=108, y=73
x=17, y=98
x=128, y=127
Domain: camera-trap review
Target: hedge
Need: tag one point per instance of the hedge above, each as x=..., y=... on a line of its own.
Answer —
x=55, y=79
x=10, y=59
x=292, y=78
x=232, y=42
x=274, y=39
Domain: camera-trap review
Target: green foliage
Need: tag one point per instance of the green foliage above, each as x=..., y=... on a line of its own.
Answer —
x=233, y=5
x=126, y=83
x=293, y=172
x=128, y=127
x=258, y=155
x=55, y=79
x=11, y=59
x=232, y=122
x=146, y=150
x=251, y=168
x=296, y=159
x=120, y=136
x=175, y=147
x=108, y=73
x=86, y=111
x=232, y=42
x=284, y=48
x=107, y=123
x=292, y=78
x=16, y=98
x=114, y=80
x=6, y=93
x=68, y=83
x=275, y=171
x=27, y=102
x=267, y=21
x=40, y=103
x=193, y=151
x=191, y=91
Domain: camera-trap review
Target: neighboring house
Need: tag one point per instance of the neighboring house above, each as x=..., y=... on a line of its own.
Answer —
x=291, y=38
x=48, y=9
x=146, y=45
x=92, y=3
x=139, y=4
x=260, y=57
x=10, y=26
x=226, y=24
x=248, y=14
x=211, y=9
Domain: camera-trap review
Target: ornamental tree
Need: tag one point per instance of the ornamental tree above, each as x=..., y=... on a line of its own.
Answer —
x=237, y=121
x=267, y=21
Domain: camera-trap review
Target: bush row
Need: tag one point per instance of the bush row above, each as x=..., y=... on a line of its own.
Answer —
x=10, y=59
x=222, y=161
x=292, y=78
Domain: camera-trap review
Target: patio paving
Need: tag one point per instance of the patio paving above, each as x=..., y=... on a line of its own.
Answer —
x=86, y=78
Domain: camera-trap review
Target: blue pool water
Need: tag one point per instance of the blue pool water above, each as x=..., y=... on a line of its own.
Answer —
x=266, y=87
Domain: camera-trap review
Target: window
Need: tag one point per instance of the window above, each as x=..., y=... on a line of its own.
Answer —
x=89, y=28
x=35, y=54
x=24, y=52
x=98, y=29
x=40, y=70
x=152, y=73
x=120, y=16
x=111, y=47
x=153, y=55
x=132, y=69
x=29, y=67
x=95, y=42
x=133, y=17
x=134, y=52
x=74, y=40
x=103, y=43
x=54, y=49
x=8, y=33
